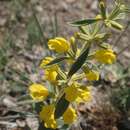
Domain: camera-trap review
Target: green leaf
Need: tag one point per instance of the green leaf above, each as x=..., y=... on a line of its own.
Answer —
x=96, y=28
x=121, y=16
x=105, y=46
x=38, y=106
x=84, y=30
x=116, y=25
x=79, y=62
x=114, y=13
x=61, y=107
x=83, y=36
x=83, y=22
x=61, y=74
x=57, y=60
x=50, y=87
x=127, y=10
x=102, y=36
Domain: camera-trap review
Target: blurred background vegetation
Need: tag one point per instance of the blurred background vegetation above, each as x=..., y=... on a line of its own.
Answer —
x=25, y=27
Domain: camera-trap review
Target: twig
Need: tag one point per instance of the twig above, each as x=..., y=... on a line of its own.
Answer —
x=10, y=117
x=8, y=123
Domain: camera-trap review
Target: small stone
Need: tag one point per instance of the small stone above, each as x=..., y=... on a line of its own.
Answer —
x=70, y=1
x=21, y=123
x=3, y=21
x=94, y=6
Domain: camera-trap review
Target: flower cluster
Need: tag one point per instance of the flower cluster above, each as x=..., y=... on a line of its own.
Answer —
x=73, y=90
x=69, y=75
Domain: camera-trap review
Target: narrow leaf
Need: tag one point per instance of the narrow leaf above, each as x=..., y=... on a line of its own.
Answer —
x=38, y=106
x=78, y=63
x=83, y=22
x=57, y=60
x=114, y=13
x=105, y=46
x=116, y=25
x=102, y=36
x=61, y=107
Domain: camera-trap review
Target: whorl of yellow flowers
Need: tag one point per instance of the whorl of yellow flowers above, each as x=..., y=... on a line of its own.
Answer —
x=74, y=91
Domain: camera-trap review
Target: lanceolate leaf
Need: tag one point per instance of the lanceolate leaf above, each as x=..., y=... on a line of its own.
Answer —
x=105, y=46
x=38, y=106
x=79, y=62
x=61, y=106
x=57, y=60
x=116, y=25
x=83, y=22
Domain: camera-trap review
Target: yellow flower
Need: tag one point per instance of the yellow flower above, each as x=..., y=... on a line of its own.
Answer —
x=75, y=93
x=69, y=115
x=105, y=56
x=50, y=75
x=92, y=75
x=84, y=96
x=59, y=45
x=47, y=112
x=47, y=115
x=38, y=92
x=51, y=123
x=71, y=93
x=47, y=60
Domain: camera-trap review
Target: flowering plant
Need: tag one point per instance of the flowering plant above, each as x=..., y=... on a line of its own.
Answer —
x=70, y=73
